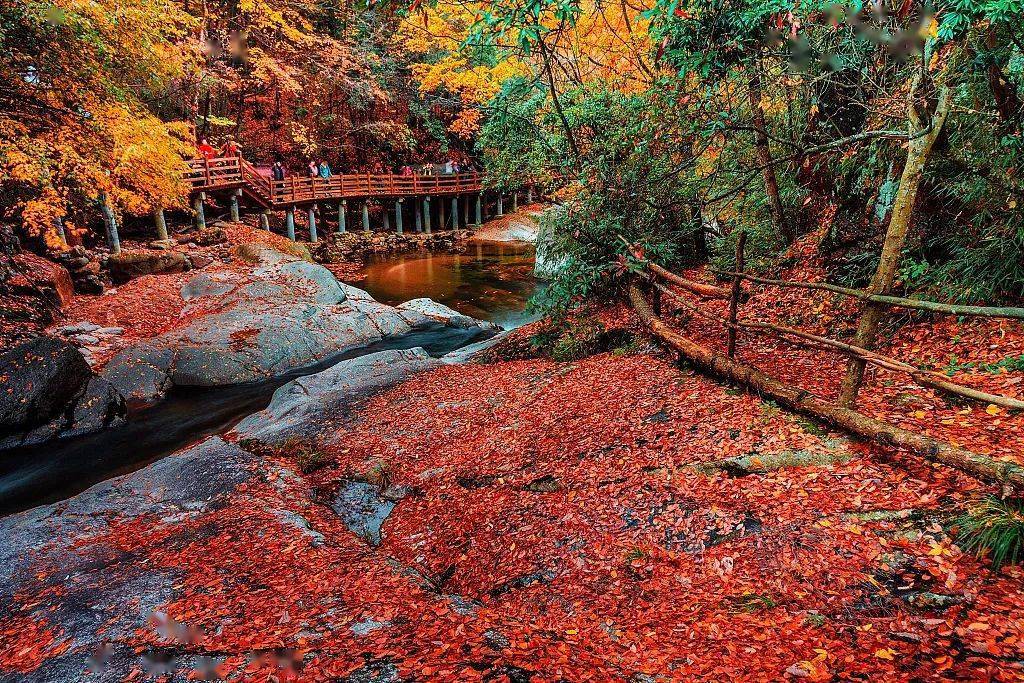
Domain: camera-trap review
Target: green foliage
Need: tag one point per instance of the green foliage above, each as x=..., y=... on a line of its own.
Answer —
x=996, y=527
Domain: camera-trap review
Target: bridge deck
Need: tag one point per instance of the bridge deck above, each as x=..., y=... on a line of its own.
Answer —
x=222, y=173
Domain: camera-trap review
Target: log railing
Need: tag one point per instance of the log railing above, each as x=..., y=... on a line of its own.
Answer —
x=732, y=324
x=234, y=172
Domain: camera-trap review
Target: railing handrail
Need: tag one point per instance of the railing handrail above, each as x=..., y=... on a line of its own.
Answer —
x=234, y=170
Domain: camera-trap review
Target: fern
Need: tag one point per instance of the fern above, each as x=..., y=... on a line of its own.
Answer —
x=994, y=526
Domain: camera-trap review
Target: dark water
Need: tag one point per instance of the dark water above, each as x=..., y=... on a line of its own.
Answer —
x=41, y=474
x=490, y=280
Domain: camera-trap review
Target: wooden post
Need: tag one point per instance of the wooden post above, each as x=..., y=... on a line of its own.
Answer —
x=110, y=223
x=500, y=210
x=455, y=212
x=387, y=218
x=197, y=206
x=737, y=288
x=342, y=207
x=289, y=222
x=366, y=217
x=419, y=215
x=426, y=214
x=265, y=219
x=311, y=219
x=441, y=218
x=465, y=210
x=234, y=206
x=161, y=223
x=479, y=209
x=398, y=216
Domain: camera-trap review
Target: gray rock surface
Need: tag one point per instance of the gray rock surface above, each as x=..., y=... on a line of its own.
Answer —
x=297, y=408
x=245, y=327
x=443, y=314
x=189, y=482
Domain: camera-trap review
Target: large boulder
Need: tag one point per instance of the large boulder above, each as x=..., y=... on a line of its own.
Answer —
x=432, y=310
x=43, y=275
x=129, y=265
x=297, y=407
x=47, y=390
x=285, y=314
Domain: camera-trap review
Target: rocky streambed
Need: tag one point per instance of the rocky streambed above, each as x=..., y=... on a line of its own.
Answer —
x=240, y=336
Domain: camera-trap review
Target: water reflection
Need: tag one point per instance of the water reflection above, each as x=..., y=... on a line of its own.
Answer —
x=490, y=280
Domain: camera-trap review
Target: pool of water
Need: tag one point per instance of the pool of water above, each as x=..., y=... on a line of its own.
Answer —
x=489, y=280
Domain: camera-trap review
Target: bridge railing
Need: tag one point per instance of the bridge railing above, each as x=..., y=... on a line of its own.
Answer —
x=296, y=189
x=218, y=172
x=228, y=172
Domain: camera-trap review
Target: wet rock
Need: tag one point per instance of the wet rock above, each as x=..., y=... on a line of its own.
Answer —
x=97, y=580
x=129, y=265
x=47, y=390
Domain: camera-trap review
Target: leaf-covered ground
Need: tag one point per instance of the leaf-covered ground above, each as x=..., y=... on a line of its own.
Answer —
x=567, y=521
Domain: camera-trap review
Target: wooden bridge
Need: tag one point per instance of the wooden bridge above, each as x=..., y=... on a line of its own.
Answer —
x=238, y=178
x=226, y=173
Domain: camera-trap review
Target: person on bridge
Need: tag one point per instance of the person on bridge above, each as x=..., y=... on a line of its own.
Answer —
x=206, y=150
x=314, y=170
x=277, y=170
x=325, y=170
x=407, y=170
x=231, y=148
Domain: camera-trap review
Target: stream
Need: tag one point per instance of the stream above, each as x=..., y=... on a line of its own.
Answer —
x=488, y=281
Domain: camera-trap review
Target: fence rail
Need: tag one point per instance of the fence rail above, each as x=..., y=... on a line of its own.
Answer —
x=732, y=323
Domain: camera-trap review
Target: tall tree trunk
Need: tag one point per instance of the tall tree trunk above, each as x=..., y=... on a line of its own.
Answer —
x=764, y=158
x=922, y=136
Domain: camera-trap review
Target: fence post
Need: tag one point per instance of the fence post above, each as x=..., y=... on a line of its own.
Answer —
x=737, y=288
x=342, y=205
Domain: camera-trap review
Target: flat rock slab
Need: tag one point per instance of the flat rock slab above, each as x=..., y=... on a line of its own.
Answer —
x=297, y=408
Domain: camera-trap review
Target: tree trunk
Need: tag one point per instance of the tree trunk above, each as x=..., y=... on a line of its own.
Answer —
x=922, y=136
x=794, y=398
x=764, y=158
